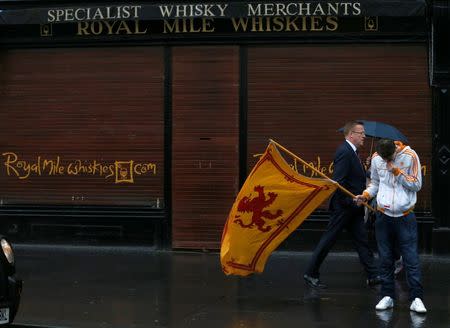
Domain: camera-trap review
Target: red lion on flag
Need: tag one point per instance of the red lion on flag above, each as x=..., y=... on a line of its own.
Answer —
x=257, y=206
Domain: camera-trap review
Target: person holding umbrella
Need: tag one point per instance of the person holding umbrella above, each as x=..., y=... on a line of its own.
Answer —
x=395, y=180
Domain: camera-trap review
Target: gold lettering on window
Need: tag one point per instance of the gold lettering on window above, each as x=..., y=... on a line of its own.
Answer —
x=120, y=171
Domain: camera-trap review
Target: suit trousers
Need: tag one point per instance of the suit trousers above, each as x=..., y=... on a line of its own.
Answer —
x=352, y=219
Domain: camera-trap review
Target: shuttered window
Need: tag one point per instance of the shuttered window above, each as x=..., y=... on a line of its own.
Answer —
x=205, y=143
x=301, y=94
x=82, y=126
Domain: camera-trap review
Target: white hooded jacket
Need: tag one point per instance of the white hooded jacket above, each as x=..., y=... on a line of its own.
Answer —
x=396, y=188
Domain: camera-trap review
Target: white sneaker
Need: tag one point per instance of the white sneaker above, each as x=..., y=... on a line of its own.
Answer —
x=385, y=303
x=417, y=306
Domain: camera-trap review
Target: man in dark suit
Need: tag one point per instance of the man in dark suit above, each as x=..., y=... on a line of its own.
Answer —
x=345, y=213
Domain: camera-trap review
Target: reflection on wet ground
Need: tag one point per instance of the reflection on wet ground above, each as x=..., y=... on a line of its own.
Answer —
x=139, y=287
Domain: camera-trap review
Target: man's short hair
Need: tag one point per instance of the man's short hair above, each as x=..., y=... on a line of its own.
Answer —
x=348, y=127
x=386, y=148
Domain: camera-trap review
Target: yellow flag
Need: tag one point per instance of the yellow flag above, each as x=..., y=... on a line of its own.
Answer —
x=273, y=202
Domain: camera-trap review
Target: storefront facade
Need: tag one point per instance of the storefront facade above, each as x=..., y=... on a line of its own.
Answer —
x=140, y=122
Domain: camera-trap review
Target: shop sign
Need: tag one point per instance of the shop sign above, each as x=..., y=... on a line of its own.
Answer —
x=212, y=20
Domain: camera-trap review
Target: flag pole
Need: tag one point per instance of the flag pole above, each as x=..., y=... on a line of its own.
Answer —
x=319, y=173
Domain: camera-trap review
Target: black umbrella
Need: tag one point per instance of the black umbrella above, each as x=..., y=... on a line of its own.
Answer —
x=382, y=130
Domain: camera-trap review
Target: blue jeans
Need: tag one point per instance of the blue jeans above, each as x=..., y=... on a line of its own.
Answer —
x=401, y=230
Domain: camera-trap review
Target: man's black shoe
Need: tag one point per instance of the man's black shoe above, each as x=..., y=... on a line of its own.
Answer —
x=374, y=281
x=314, y=282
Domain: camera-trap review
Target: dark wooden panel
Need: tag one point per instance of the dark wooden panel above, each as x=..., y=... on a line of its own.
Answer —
x=92, y=105
x=300, y=96
x=205, y=143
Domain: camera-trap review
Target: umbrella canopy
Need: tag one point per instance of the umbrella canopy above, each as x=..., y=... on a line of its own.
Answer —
x=382, y=130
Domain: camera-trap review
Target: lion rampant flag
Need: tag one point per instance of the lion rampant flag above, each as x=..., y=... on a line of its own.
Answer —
x=273, y=202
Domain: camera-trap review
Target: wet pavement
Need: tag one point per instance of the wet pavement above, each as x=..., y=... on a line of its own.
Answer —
x=141, y=287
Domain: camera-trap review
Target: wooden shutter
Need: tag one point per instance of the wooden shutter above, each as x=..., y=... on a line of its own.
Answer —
x=301, y=94
x=82, y=126
x=205, y=143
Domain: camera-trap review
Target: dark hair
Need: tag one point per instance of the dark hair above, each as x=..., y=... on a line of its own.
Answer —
x=348, y=127
x=386, y=148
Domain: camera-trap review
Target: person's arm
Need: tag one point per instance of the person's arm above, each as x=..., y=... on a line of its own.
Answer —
x=341, y=167
x=411, y=176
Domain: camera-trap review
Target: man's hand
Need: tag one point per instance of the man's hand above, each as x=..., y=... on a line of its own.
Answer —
x=360, y=199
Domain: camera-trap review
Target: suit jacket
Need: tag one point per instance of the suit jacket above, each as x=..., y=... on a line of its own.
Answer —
x=349, y=173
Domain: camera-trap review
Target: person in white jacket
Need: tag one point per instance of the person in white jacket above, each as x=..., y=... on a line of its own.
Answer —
x=395, y=180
